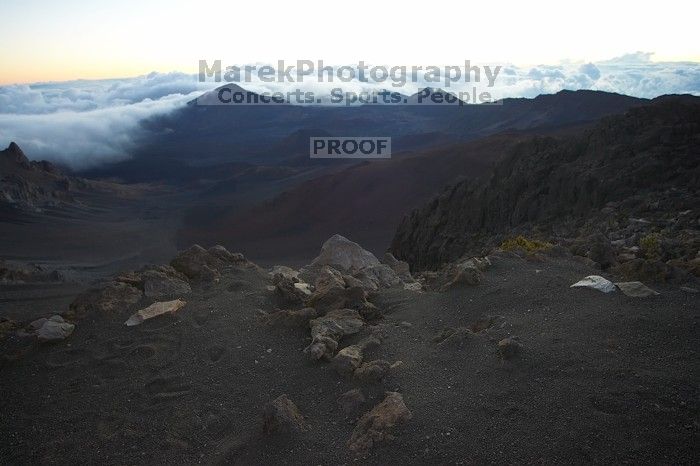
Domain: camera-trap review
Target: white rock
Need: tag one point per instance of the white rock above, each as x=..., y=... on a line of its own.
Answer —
x=154, y=310
x=413, y=286
x=596, y=282
x=636, y=289
x=303, y=287
x=341, y=253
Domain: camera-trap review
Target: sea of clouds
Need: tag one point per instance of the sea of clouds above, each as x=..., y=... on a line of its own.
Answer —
x=86, y=123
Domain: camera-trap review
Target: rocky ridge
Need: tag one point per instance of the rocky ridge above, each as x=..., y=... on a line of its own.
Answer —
x=623, y=196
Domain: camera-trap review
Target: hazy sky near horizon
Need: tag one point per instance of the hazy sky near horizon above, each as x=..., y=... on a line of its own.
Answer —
x=48, y=40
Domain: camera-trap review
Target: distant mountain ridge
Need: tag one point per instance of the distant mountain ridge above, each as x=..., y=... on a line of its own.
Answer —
x=208, y=135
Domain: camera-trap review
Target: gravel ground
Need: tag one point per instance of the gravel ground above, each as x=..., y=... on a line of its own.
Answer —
x=601, y=378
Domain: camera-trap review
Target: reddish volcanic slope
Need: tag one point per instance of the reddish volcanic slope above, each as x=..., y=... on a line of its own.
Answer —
x=364, y=202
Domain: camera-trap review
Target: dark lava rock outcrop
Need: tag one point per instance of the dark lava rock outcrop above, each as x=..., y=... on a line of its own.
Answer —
x=32, y=185
x=631, y=181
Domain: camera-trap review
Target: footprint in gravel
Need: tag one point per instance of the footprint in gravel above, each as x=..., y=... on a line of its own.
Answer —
x=142, y=352
x=167, y=388
x=486, y=323
x=158, y=325
x=109, y=428
x=78, y=384
x=215, y=352
x=156, y=353
x=201, y=317
x=610, y=405
x=67, y=358
x=117, y=345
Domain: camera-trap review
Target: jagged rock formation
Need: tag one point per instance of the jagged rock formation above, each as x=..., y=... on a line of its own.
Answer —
x=32, y=185
x=601, y=193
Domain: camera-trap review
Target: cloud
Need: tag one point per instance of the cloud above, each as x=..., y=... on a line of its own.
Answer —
x=590, y=70
x=91, y=95
x=636, y=57
x=631, y=74
x=87, y=123
x=85, y=139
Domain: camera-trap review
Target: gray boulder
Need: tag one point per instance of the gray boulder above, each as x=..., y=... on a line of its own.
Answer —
x=164, y=282
x=54, y=329
x=378, y=276
x=343, y=254
x=111, y=297
x=327, y=330
x=635, y=289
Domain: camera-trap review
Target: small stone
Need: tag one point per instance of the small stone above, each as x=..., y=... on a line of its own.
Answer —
x=282, y=416
x=348, y=360
x=376, y=425
x=397, y=365
x=155, y=310
x=509, y=348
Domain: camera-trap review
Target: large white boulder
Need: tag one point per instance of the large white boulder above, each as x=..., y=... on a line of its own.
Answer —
x=345, y=255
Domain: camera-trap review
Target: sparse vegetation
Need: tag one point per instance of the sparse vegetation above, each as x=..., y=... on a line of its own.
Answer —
x=525, y=244
x=651, y=245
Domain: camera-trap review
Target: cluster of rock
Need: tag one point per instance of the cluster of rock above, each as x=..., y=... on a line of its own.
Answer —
x=195, y=265
x=282, y=416
x=463, y=272
x=153, y=283
x=332, y=297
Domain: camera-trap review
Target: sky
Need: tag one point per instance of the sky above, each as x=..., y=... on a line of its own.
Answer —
x=57, y=40
x=77, y=78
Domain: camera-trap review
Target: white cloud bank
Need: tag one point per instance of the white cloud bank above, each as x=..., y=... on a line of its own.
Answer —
x=85, y=123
